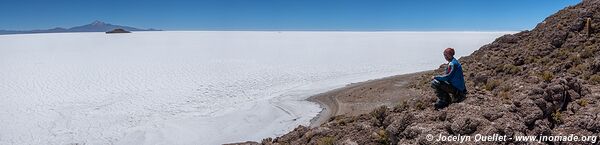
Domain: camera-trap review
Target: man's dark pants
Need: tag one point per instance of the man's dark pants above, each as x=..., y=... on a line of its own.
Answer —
x=443, y=90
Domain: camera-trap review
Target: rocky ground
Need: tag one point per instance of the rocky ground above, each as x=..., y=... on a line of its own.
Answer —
x=538, y=82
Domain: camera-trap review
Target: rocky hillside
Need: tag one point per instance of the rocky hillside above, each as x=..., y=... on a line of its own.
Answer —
x=538, y=82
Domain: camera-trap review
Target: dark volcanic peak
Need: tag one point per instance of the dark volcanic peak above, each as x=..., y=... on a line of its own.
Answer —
x=96, y=26
x=539, y=82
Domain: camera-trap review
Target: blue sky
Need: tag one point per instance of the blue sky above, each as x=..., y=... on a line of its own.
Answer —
x=472, y=15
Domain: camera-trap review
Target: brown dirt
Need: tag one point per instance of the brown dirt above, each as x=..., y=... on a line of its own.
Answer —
x=363, y=97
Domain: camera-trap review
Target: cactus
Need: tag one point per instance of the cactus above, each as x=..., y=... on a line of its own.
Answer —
x=588, y=26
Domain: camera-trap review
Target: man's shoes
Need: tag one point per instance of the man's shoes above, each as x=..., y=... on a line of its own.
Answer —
x=440, y=105
x=459, y=98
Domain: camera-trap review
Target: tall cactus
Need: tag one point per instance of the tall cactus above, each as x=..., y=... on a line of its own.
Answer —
x=588, y=26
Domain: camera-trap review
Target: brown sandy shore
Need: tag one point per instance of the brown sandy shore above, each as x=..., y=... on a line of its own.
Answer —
x=363, y=97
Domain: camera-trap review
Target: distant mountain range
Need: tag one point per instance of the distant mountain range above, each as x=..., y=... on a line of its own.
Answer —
x=96, y=26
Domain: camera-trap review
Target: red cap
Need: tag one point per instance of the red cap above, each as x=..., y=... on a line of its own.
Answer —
x=449, y=51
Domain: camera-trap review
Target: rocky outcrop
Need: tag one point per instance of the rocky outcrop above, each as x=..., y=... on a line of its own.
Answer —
x=118, y=30
x=538, y=82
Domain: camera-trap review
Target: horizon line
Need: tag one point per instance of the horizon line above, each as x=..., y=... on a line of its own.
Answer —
x=325, y=30
x=509, y=32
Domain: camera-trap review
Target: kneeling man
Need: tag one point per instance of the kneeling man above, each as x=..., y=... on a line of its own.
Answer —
x=451, y=82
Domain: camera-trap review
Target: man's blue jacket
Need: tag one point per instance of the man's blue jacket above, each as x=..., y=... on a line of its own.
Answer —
x=454, y=76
